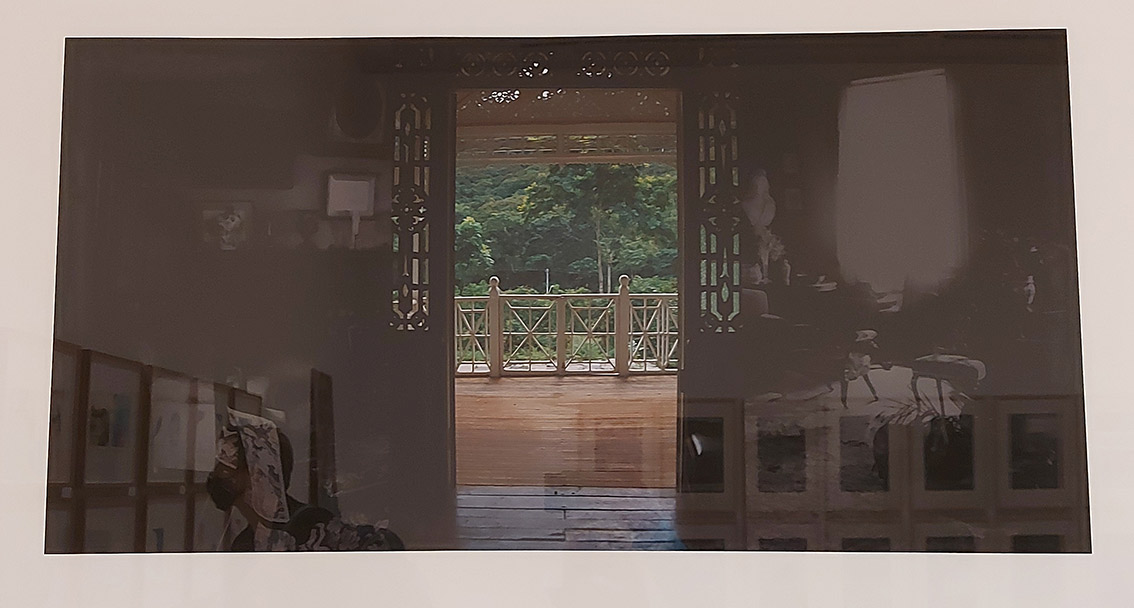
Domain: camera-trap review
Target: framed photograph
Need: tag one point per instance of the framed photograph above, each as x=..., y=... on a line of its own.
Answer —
x=529, y=175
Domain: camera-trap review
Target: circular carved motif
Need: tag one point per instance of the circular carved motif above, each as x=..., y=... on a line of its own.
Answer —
x=535, y=64
x=657, y=63
x=625, y=63
x=594, y=64
x=472, y=64
x=504, y=64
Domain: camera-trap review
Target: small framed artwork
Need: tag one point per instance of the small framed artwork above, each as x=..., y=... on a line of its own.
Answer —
x=112, y=412
x=226, y=226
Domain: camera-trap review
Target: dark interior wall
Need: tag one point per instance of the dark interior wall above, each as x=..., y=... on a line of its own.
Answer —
x=1011, y=121
x=135, y=279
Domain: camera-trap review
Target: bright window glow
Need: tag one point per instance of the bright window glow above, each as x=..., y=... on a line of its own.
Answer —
x=901, y=213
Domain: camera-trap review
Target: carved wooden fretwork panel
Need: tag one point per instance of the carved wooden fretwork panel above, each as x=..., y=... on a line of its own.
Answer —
x=506, y=63
x=532, y=65
x=718, y=178
x=599, y=64
x=413, y=131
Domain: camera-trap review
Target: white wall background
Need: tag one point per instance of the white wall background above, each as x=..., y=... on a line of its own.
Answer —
x=31, y=52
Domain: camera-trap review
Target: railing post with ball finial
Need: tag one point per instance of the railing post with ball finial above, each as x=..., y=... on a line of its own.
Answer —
x=622, y=327
x=495, y=329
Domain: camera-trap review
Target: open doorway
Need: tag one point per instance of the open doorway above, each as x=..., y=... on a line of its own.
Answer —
x=566, y=317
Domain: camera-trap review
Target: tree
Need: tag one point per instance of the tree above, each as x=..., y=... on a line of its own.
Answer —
x=587, y=223
x=473, y=255
x=601, y=198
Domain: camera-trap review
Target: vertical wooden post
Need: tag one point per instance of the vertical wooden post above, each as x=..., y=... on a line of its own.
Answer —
x=622, y=327
x=561, y=335
x=663, y=333
x=495, y=329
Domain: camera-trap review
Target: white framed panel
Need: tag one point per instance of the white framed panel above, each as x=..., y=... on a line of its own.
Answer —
x=856, y=442
x=929, y=536
x=712, y=537
x=837, y=533
x=972, y=495
x=718, y=445
x=770, y=535
x=1007, y=537
x=791, y=473
x=1039, y=441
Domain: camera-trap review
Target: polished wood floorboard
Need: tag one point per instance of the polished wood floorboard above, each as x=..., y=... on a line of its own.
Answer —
x=565, y=518
x=584, y=431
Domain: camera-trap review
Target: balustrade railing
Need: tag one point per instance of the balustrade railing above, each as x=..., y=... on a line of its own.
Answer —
x=504, y=334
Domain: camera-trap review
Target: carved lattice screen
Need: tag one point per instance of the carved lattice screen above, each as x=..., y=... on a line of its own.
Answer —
x=718, y=208
x=412, y=198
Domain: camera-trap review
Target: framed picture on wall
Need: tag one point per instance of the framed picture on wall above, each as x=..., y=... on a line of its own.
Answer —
x=226, y=225
x=112, y=420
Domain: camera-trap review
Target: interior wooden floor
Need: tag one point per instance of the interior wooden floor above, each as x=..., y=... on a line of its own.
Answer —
x=538, y=518
x=574, y=431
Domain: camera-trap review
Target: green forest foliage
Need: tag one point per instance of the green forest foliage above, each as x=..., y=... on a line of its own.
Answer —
x=588, y=224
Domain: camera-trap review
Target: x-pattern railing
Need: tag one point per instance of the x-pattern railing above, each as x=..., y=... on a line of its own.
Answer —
x=653, y=333
x=523, y=334
x=592, y=333
x=529, y=337
x=472, y=334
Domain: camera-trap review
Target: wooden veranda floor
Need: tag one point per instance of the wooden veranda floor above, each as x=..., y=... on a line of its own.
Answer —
x=549, y=519
x=575, y=431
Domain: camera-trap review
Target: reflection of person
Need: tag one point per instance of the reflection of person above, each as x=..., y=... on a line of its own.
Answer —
x=858, y=362
x=250, y=479
x=1030, y=292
